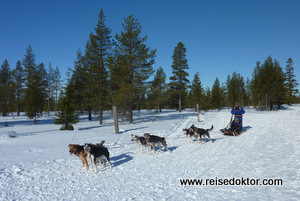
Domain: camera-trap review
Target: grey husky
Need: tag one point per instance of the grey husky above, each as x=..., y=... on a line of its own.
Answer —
x=156, y=140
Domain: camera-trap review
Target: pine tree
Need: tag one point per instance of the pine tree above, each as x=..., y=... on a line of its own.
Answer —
x=235, y=87
x=291, y=82
x=18, y=77
x=179, y=79
x=99, y=67
x=5, y=87
x=216, y=95
x=50, y=87
x=197, y=92
x=268, y=83
x=208, y=100
x=88, y=65
x=56, y=86
x=42, y=82
x=132, y=67
x=79, y=81
x=67, y=110
x=255, y=85
x=32, y=96
x=158, y=87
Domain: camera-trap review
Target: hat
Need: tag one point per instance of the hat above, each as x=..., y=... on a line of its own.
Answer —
x=236, y=103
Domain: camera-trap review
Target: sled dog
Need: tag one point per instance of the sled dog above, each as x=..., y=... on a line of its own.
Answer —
x=140, y=140
x=95, y=152
x=199, y=132
x=189, y=133
x=156, y=140
x=78, y=150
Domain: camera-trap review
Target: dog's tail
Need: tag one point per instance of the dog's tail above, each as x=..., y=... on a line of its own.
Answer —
x=101, y=143
x=212, y=127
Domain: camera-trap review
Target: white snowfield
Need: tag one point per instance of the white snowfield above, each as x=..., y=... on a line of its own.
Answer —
x=36, y=164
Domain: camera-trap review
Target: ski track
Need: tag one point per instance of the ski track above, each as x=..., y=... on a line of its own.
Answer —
x=261, y=152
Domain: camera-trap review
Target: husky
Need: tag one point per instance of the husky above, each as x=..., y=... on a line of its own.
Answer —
x=141, y=141
x=78, y=150
x=199, y=132
x=95, y=153
x=156, y=140
x=189, y=133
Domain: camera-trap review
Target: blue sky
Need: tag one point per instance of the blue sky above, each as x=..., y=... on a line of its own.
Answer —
x=221, y=36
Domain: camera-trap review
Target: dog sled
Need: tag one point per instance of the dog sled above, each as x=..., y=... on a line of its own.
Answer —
x=235, y=126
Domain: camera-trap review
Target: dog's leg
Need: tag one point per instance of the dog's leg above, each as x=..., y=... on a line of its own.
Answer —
x=201, y=138
x=92, y=161
x=154, y=149
x=165, y=145
x=84, y=161
x=210, y=139
x=108, y=161
x=167, y=148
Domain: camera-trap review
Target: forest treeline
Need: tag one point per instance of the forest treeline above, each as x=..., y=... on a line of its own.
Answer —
x=117, y=70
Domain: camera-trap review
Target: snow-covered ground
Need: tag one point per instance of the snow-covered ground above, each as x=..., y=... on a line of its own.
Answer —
x=36, y=165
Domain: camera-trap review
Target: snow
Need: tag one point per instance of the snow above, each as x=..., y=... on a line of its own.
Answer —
x=36, y=164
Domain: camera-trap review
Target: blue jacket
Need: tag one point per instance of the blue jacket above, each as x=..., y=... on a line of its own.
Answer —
x=237, y=110
x=238, y=116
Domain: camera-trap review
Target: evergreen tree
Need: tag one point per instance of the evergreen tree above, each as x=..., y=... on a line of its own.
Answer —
x=5, y=87
x=291, y=82
x=18, y=77
x=56, y=86
x=255, y=85
x=279, y=90
x=32, y=96
x=132, y=66
x=88, y=65
x=248, y=92
x=79, y=81
x=268, y=83
x=235, y=87
x=207, y=101
x=50, y=81
x=179, y=79
x=102, y=45
x=158, y=87
x=216, y=95
x=42, y=82
x=67, y=110
x=197, y=92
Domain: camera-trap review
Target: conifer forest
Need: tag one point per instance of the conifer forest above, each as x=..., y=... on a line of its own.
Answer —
x=118, y=71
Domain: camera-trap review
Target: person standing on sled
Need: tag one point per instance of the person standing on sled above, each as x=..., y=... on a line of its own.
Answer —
x=236, y=125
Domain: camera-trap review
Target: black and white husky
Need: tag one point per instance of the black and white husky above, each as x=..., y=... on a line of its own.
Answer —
x=189, y=133
x=199, y=132
x=95, y=153
x=141, y=141
x=156, y=140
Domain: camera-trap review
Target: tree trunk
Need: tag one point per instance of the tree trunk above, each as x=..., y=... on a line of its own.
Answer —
x=179, y=102
x=130, y=116
x=100, y=116
x=266, y=99
x=90, y=115
x=115, y=114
